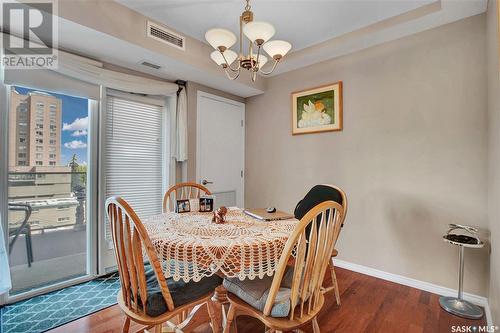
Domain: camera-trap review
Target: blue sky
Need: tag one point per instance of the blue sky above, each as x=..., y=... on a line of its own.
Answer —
x=75, y=120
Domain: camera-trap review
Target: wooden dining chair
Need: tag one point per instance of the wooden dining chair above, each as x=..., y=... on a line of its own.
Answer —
x=146, y=296
x=182, y=191
x=293, y=296
x=316, y=195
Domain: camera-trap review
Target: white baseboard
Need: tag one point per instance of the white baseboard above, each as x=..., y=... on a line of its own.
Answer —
x=422, y=285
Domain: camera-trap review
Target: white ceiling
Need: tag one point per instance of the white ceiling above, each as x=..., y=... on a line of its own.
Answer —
x=303, y=23
x=369, y=28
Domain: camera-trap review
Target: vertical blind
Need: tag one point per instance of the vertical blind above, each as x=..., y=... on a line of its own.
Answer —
x=134, y=154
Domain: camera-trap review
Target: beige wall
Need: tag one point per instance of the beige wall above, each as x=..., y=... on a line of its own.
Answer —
x=412, y=156
x=494, y=156
x=192, y=93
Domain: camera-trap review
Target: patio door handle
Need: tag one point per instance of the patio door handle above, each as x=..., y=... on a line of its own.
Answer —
x=205, y=182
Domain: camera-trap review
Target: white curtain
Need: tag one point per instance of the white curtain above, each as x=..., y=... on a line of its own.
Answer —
x=92, y=71
x=180, y=152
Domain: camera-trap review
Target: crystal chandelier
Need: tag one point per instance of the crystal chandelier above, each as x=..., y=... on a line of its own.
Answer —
x=258, y=35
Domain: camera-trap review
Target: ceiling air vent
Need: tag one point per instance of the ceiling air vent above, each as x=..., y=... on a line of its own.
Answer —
x=149, y=64
x=166, y=36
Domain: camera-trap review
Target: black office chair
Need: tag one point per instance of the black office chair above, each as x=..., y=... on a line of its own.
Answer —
x=24, y=228
x=315, y=196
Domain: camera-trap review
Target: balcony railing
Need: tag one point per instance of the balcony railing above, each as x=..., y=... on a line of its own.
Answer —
x=57, y=199
x=51, y=245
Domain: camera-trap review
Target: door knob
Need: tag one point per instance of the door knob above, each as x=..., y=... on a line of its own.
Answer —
x=205, y=182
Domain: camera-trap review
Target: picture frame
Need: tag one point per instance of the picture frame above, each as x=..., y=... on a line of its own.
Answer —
x=183, y=206
x=206, y=204
x=317, y=109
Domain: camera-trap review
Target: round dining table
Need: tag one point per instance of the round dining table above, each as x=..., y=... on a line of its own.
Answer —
x=192, y=247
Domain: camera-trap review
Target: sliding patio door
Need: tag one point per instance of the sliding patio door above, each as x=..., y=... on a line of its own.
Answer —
x=50, y=180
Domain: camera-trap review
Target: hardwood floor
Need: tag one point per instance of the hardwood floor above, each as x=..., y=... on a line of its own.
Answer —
x=368, y=305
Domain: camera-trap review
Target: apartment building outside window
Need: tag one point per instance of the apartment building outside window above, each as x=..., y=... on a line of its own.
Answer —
x=52, y=111
x=39, y=148
x=39, y=141
x=52, y=156
x=39, y=156
x=39, y=163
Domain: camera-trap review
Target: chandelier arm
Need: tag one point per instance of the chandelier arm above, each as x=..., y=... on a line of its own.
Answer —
x=232, y=78
x=253, y=75
x=272, y=69
x=256, y=66
x=229, y=66
x=241, y=37
x=250, y=52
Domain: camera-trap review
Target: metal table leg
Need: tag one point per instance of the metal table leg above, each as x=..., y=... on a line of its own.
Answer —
x=457, y=305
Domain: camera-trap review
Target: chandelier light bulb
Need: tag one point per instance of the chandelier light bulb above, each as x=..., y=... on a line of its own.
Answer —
x=259, y=32
x=277, y=48
x=219, y=59
x=220, y=38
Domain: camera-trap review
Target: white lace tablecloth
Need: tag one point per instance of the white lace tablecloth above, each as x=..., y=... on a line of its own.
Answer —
x=191, y=246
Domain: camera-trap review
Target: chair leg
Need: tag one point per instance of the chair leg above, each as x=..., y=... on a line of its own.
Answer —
x=230, y=317
x=334, y=282
x=126, y=325
x=315, y=325
x=211, y=315
x=158, y=328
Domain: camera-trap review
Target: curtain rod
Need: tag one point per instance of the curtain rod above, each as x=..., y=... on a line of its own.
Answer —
x=181, y=84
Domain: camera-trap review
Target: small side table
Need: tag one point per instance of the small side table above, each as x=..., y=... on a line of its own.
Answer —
x=457, y=305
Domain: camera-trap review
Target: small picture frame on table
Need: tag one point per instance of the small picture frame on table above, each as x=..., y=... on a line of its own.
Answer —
x=183, y=206
x=206, y=204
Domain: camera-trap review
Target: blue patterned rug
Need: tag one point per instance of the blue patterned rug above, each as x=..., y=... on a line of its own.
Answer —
x=44, y=312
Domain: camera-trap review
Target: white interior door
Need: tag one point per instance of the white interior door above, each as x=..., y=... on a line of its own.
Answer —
x=220, y=153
